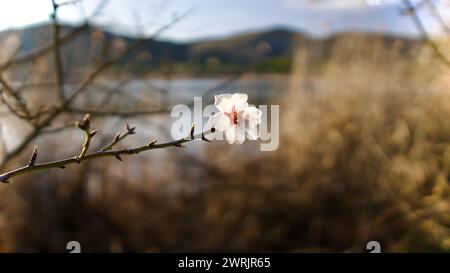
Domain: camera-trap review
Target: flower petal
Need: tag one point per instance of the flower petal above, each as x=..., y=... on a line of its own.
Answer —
x=252, y=133
x=219, y=121
x=240, y=134
x=231, y=134
x=252, y=111
x=239, y=101
x=226, y=102
x=223, y=102
x=252, y=116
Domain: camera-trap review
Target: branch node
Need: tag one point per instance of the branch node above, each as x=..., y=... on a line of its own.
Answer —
x=118, y=156
x=5, y=179
x=117, y=137
x=33, y=157
x=91, y=134
x=205, y=139
x=85, y=123
x=131, y=130
x=192, y=131
x=179, y=145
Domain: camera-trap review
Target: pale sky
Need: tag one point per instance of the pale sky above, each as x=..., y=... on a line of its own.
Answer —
x=215, y=18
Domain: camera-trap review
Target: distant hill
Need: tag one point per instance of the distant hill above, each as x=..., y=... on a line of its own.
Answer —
x=268, y=51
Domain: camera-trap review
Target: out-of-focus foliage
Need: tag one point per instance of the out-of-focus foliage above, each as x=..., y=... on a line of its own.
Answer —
x=364, y=155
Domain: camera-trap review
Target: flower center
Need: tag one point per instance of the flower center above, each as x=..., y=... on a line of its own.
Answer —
x=233, y=115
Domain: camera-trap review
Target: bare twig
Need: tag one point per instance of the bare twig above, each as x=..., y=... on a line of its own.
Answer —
x=72, y=96
x=105, y=152
x=85, y=126
x=33, y=157
x=59, y=74
x=37, y=53
x=42, y=51
x=162, y=110
x=412, y=11
x=115, y=113
x=435, y=12
x=57, y=129
x=20, y=103
x=119, y=137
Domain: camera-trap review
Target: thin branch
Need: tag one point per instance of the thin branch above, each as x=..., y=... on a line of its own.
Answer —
x=67, y=3
x=37, y=53
x=435, y=12
x=112, y=113
x=57, y=129
x=68, y=100
x=116, y=113
x=110, y=62
x=119, y=137
x=18, y=100
x=57, y=60
x=11, y=109
x=33, y=157
x=152, y=145
x=412, y=10
x=85, y=127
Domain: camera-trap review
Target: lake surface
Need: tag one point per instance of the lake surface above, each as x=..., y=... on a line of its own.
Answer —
x=258, y=88
x=261, y=90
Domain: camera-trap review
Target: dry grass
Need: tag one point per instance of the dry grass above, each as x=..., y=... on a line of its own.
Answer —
x=364, y=155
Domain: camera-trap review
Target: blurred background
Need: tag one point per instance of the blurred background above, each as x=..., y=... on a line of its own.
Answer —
x=364, y=153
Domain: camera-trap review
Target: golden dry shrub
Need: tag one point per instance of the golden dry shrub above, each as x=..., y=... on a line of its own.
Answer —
x=364, y=155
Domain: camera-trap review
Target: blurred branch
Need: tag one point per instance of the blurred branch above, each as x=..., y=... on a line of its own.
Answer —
x=59, y=75
x=57, y=129
x=162, y=110
x=110, y=62
x=435, y=12
x=37, y=53
x=66, y=103
x=22, y=109
x=104, y=152
x=111, y=113
x=412, y=11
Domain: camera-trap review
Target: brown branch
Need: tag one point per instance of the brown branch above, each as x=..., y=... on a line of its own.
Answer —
x=66, y=103
x=23, y=111
x=37, y=53
x=435, y=12
x=119, y=137
x=105, y=152
x=412, y=11
x=57, y=62
x=33, y=157
x=224, y=83
x=113, y=113
x=84, y=125
x=57, y=129
x=11, y=109
x=110, y=62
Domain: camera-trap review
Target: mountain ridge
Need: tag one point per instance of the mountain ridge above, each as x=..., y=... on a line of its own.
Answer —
x=268, y=50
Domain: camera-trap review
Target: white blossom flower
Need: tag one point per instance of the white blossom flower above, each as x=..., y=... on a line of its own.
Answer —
x=236, y=118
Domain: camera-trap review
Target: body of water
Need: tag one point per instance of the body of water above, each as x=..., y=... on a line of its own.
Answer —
x=260, y=89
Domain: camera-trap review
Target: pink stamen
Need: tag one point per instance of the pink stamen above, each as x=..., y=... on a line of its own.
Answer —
x=233, y=116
